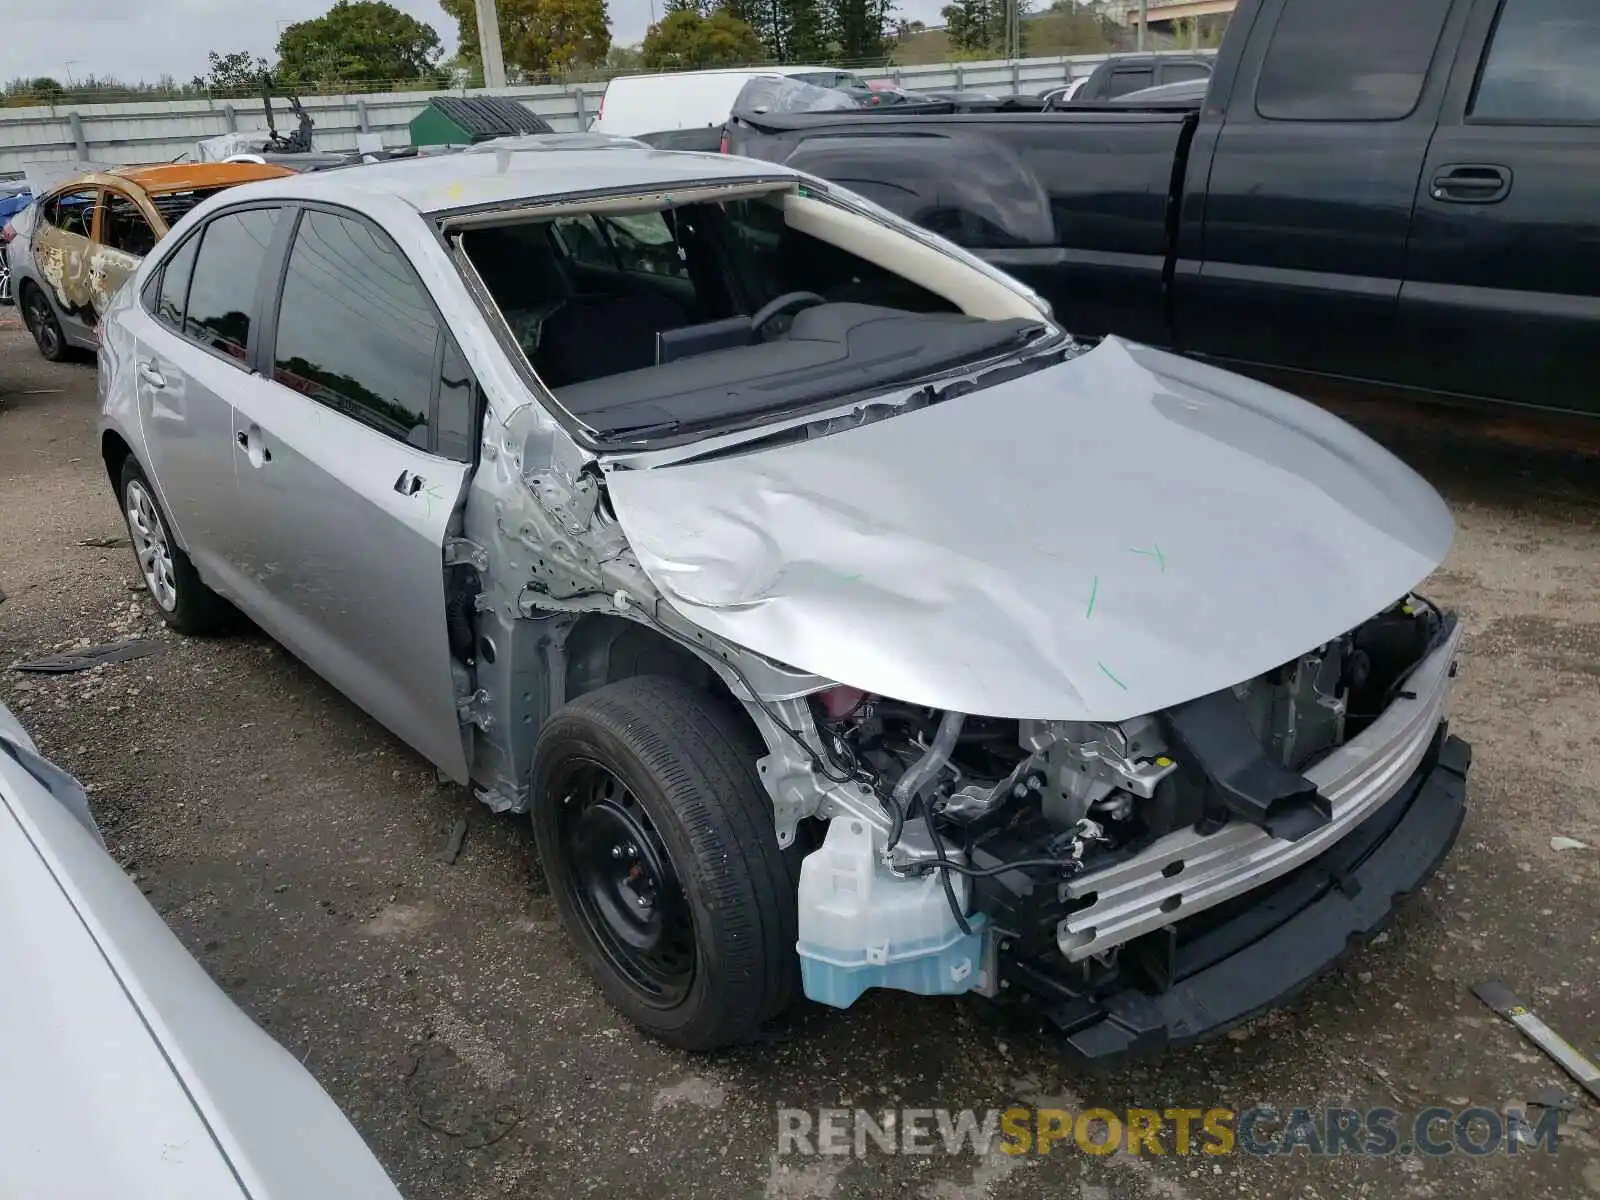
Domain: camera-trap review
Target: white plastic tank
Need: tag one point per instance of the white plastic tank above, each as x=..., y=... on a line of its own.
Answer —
x=863, y=926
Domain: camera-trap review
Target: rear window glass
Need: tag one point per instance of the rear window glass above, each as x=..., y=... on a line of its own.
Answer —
x=123, y=227
x=175, y=284
x=1349, y=60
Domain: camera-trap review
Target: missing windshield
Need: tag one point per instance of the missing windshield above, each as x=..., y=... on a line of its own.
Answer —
x=643, y=323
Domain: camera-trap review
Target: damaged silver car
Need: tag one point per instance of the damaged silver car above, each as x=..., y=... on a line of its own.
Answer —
x=840, y=620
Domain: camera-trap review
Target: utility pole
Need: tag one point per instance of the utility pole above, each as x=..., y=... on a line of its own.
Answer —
x=494, y=66
x=1144, y=20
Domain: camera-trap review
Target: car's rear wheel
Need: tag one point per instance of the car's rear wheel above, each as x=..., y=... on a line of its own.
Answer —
x=658, y=843
x=41, y=321
x=186, y=603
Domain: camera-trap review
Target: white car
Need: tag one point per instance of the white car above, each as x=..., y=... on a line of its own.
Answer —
x=126, y=1071
x=640, y=104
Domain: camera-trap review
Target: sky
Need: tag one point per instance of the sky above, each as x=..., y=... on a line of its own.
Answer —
x=134, y=40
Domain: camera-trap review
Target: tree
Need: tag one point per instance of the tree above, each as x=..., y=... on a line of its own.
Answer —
x=540, y=35
x=855, y=28
x=358, y=41
x=975, y=24
x=625, y=58
x=239, y=72
x=791, y=30
x=685, y=40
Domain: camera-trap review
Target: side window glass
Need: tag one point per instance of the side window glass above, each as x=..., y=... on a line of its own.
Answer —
x=222, y=285
x=1123, y=82
x=123, y=227
x=1177, y=72
x=1543, y=64
x=72, y=212
x=455, y=430
x=1324, y=64
x=175, y=285
x=355, y=330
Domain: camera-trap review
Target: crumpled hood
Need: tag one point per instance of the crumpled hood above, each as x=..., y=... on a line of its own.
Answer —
x=1096, y=540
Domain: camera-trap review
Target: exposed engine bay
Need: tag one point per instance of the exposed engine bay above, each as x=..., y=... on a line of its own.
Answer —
x=1090, y=789
x=997, y=813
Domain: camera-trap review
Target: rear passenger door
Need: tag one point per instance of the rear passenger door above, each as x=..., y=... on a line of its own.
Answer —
x=353, y=460
x=1312, y=177
x=1504, y=265
x=193, y=343
x=62, y=240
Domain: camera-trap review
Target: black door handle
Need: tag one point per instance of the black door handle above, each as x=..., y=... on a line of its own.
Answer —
x=409, y=483
x=1471, y=183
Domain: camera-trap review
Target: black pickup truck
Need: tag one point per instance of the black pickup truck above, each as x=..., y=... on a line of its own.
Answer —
x=1401, y=194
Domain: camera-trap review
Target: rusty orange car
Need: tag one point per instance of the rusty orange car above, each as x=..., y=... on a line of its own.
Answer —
x=79, y=243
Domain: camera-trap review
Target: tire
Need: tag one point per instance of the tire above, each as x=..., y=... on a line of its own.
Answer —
x=648, y=788
x=186, y=604
x=41, y=321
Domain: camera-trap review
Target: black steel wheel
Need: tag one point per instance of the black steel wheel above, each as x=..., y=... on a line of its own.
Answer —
x=657, y=840
x=621, y=883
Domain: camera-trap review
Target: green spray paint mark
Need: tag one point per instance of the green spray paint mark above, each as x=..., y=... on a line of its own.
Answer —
x=1094, y=591
x=1112, y=677
x=1154, y=552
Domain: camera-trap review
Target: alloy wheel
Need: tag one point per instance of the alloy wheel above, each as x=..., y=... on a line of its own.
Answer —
x=151, y=546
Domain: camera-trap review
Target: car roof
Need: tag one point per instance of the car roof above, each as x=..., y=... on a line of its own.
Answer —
x=535, y=167
x=188, y=177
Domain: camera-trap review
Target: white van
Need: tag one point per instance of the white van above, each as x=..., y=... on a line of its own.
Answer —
x=639, y=104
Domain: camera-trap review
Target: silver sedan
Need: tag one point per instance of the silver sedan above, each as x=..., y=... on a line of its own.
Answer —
x=840, y=620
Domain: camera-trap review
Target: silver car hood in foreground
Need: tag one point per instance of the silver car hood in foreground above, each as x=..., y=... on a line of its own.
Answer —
x=124, y=1070
x=1093, y=541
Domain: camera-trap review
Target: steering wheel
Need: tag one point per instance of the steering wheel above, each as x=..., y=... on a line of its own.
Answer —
x=782, y=304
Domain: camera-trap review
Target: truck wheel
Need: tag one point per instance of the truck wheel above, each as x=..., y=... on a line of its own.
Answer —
x=657, y=840
x=186, y=604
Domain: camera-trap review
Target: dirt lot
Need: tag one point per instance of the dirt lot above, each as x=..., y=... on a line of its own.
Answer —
x=293, y=846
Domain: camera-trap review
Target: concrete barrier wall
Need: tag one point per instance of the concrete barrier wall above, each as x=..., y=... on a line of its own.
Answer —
x=163, y=130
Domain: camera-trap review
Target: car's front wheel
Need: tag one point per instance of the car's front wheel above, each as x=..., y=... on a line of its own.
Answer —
x=41, y=321
x=186, y=603
x=657, y=839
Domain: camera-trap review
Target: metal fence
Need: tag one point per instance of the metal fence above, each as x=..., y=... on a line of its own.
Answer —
x=155, y=131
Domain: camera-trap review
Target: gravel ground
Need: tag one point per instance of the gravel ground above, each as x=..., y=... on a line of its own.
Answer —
x=293, y=845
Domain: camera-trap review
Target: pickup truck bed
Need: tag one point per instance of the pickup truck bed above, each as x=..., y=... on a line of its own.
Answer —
x=1011, y=185
x=1400, y=197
